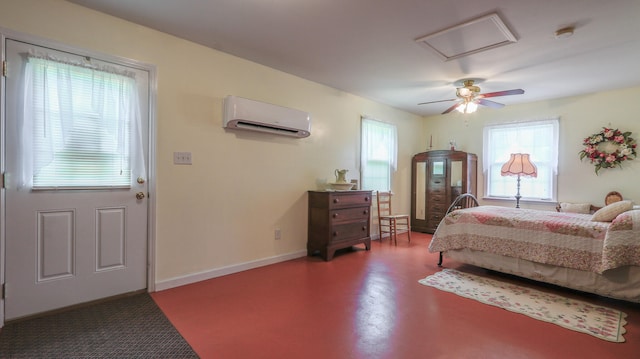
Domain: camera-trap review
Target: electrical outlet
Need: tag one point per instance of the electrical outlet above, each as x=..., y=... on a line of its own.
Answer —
x=182, y=158
x=277, y=233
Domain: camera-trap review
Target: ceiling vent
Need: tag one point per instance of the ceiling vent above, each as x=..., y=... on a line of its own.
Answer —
x=477, y=35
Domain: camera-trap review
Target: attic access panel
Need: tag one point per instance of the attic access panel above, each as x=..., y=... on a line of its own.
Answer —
x=477, y=35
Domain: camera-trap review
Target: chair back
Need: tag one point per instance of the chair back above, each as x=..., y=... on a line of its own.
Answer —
x=384, y=203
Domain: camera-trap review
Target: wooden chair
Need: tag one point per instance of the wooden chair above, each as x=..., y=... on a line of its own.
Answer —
x=389, y=222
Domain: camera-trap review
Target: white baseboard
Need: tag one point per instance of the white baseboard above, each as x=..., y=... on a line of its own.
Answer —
x=219, y=272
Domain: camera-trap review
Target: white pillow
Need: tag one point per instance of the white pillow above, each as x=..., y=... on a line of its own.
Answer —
x=610, y=212
x=575, y=207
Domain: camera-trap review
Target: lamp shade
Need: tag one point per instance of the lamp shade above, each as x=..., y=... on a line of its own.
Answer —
x=519, y=164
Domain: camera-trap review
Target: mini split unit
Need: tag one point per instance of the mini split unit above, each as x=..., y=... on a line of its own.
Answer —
x=244, y=114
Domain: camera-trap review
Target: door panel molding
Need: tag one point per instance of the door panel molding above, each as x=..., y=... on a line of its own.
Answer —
x=110, y=238
x=56, y=244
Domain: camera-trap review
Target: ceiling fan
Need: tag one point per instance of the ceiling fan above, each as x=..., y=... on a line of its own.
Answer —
x=469, y=97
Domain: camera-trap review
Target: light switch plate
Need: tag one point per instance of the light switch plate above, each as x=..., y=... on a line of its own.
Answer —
x=182, y=158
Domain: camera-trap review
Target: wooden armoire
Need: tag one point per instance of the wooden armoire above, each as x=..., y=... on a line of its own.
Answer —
x=438, y=177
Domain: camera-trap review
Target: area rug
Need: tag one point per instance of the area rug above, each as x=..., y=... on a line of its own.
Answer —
x=130, y=327
x=601, y=322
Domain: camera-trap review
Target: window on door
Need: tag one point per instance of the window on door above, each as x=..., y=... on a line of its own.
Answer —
x=378, y=155
x=79, y=125
x=537, y=138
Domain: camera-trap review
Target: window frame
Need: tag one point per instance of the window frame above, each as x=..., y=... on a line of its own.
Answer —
x=547, y=167
x=391, y=152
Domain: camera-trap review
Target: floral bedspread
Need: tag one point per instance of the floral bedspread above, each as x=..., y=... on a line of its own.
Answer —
x=564, y=239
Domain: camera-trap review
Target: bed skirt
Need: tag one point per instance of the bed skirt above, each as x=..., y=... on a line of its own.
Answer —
x=619, y=283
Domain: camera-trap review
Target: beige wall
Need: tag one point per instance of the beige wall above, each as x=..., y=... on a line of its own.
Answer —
x=580, y=117
x=222, y=211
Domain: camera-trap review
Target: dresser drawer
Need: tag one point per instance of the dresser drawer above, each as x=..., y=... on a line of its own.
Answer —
x=345, y=200
x=341, y=232
x=433, y=223
x=438, y=205
x=350, y=214
x=435, y=216
x=436, y=199
x=438, y=183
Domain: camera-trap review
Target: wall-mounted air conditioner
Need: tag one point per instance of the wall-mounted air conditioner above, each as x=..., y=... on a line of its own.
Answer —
x=244, y=114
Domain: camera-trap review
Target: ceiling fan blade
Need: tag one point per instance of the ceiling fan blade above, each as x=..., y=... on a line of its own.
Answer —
x=488, y=103
x=426, y=103
x=502, y=93
x=451, y=108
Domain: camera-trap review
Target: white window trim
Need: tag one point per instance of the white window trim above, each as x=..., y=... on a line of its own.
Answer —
x=393, y=151
x=555, y=120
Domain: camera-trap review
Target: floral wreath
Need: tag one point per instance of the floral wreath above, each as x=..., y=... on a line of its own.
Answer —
x=608, y=148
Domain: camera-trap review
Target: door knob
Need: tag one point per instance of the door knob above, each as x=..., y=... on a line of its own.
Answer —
x=140, y=180
x=140, y=195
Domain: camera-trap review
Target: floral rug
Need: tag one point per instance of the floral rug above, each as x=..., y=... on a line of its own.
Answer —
x=601, y=322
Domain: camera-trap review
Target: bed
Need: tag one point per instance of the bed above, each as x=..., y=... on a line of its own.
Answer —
x=566, y=249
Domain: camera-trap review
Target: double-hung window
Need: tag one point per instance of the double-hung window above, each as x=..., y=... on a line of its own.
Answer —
x=537, y=138
x=378, y=155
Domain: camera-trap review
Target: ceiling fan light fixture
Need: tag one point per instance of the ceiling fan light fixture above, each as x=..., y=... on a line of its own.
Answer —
x=469, y=97
x=467, y=107
x=463, y=92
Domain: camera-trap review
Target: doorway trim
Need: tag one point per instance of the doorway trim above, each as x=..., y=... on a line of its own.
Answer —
x=151, y=177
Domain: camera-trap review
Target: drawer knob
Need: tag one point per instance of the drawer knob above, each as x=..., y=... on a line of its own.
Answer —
x=366, y=199
x=335, y=234
x=335, y=215
x=365, y=212
x=336, y=200
x=364, y=228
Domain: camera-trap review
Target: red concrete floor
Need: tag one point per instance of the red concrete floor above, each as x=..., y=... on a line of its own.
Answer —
x=369, y=304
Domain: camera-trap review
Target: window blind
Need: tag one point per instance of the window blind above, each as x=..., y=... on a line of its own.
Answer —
x=378, y=154
x=78, y=125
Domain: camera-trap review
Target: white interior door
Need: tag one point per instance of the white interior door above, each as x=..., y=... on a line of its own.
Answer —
x=71, y=238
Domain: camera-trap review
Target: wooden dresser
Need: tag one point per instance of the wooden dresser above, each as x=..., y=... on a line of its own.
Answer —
x=338, y=219
x=438, y=177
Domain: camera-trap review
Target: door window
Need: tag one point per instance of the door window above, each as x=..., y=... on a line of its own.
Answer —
x=79, y=125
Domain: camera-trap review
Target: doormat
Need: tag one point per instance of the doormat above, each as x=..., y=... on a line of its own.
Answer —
x=130, y=327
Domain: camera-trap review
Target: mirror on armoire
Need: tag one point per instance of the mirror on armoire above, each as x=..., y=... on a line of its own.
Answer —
x=421, y=189
x=437, y=168
x=456, y=179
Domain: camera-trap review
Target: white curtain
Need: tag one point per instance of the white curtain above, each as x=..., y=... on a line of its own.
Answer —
x=379, y=150
x=539, y=139
x=81, y=125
